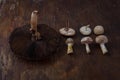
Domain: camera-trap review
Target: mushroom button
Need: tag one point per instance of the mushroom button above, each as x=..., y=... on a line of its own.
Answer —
x=69, y=43
x=85, y=30
x=102, y=39
x=98, y=30
x=87, y=41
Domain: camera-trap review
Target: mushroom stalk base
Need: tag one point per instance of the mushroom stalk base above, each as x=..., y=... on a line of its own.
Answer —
x=70, y=49
x=87, y=48
x=103, y=48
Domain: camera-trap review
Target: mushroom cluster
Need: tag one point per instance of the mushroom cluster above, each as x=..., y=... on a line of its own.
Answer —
x=68, y=32
x=101, y=39
x=86, y=30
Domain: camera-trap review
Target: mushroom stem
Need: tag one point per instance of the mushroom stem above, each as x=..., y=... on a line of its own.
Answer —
x=37, y=34
x=103, y=48
x=87, y=48
x=70, y=49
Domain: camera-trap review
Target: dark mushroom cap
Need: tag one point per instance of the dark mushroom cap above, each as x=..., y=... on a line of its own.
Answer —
x=101, y=39
x=69, y=40
x=87, y=40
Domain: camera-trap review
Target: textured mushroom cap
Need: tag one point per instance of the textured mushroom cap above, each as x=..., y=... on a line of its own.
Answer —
x=85, y=30
x=69, y=32
x=69, y=40
x=87, y=40
x=98, y=29
x=101, y=39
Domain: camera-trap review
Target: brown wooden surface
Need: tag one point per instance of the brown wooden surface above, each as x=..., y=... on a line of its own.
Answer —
x=55, y=13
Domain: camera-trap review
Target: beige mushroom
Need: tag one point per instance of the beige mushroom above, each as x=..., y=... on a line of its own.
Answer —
x=87, y=41
x=67, y=31
x=98, y=30
x=102, y=39
x=85, y=30
x=33, y=22
x=70, y=43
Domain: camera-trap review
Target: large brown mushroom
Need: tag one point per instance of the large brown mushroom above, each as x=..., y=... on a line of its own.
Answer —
x=33, y=22
x=102, y=39
x=69, y=43
x=87, y=41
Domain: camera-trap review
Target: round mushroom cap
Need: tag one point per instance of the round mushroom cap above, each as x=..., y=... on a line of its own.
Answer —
x=87, y=40
x=85, y=30
x=69, y=40
x=69, y=32
x=98, y=30
x=101, y=39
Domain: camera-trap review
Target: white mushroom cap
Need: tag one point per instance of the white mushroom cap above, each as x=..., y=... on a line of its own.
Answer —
x=85, y=30
x=86, y=40
x=98, y=30
x=69, y=40
x=68, y=32
x=101, y=39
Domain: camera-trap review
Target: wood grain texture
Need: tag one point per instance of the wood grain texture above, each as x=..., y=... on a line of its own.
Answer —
x=55, y=13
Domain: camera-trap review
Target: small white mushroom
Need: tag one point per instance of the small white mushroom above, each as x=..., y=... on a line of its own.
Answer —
x=98, y=30
x=33, y=22
x=70, y=43
x=67, y=31
x=85, y=30
x=87, y=41
x=102, y=39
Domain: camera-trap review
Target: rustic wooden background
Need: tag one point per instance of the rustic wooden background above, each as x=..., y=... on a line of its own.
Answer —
x=55, y=13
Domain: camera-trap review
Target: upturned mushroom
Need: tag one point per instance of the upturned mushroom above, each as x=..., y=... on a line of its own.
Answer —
x=33, y=23
x=67, y=31
x=98, y=30
x=102, y=39
x=87, y=41
x=70, y=43
x=85, y=30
